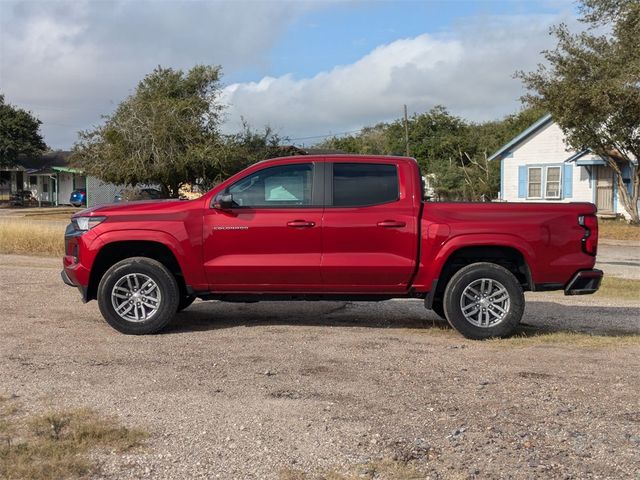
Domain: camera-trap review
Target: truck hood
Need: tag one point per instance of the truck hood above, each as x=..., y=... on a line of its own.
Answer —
x=134, y=207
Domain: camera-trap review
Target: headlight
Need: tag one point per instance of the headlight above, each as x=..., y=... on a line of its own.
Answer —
x=87, y=223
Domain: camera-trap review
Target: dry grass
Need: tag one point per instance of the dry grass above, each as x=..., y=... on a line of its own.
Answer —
x=577, y=339
x=385, y=469
x=618, y=230
x=27, y=237
x=619, y=288
x=611, y=287
x=43, y=213
x=58, y=215
x=56, y=445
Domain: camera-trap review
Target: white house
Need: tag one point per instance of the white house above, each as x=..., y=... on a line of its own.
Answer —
x=538, y=166
x=51, y=179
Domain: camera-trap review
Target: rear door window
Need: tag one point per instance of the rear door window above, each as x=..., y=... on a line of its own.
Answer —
x=364, y=184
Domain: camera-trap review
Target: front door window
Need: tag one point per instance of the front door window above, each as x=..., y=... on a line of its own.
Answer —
x=282, y=186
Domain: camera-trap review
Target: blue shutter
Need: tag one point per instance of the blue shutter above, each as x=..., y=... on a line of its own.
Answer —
x=522, y=181
x=626, y=177
x=567, y=180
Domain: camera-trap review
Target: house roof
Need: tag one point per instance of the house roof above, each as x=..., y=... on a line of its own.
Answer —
x=578, y=155
x=66, y=169
x=506, y=148
x=586, y=158
x=58, y=158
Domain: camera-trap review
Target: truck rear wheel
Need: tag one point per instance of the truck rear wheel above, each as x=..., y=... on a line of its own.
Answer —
x=484, y=300
x=138, y=295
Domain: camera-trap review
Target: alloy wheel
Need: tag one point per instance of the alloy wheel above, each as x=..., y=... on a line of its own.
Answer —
x=136, y=297
x=485, y=302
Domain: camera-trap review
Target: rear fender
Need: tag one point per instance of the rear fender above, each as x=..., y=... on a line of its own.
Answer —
x=430, y=269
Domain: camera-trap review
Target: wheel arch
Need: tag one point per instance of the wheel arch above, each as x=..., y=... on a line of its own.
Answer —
x=115, y=251
x=507, y=256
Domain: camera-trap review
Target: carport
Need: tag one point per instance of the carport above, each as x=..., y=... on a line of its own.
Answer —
x=68, y=179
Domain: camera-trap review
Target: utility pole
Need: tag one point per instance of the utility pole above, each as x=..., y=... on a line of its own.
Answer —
x=406, y=129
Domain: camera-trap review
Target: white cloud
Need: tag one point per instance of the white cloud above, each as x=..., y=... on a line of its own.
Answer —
x=70, y=61
x=468, y=69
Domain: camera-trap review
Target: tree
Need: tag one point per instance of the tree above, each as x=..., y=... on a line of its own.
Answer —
x=370, y=141
x=19, y=134
x=450, y=147
x=239, y=150
x=591, y=87
x=166, y=133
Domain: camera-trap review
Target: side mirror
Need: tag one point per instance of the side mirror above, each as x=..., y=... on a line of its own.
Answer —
x=224, y=202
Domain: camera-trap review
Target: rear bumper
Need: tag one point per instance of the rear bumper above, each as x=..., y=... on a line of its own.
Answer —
x=584, y=282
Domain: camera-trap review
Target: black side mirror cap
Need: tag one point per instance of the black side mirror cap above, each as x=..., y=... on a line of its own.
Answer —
x=223, y=202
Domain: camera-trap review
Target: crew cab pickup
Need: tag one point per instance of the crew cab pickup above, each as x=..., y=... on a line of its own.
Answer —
x=329, y=227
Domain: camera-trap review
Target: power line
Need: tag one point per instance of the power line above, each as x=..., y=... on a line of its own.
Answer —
x=327, y=135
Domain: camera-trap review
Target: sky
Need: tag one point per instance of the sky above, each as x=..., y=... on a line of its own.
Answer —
x=307, y=69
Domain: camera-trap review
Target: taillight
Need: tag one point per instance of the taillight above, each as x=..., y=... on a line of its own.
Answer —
x=590, y=238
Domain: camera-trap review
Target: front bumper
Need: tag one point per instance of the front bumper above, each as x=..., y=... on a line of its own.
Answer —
x=76, y=275
x=81, y=289
x=584, y=282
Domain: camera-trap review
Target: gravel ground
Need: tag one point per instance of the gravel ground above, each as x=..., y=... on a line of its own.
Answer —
x=253, y=390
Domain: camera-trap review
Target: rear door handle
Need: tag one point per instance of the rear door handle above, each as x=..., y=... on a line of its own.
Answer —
x=301, y=224
x=392, y=224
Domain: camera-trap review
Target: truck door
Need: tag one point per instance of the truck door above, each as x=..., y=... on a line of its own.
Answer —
x=270, y=238
x=369, y=228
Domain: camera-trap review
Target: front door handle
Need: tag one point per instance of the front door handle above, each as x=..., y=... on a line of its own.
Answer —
x=392, y=224
x=301, y=224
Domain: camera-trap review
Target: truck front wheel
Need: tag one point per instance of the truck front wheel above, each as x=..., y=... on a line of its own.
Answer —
x=138, y=295
x=484, y=300
x=438, y=308
x=185, y=302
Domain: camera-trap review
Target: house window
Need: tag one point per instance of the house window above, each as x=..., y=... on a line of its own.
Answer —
x=552, y=185
x=33, y=180
x=45, y=187
x=534, y=182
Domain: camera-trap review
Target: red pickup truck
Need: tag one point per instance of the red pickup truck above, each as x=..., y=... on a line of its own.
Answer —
x=329, y=227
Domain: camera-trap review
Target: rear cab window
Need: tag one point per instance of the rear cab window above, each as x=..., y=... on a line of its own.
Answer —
x=364, y=184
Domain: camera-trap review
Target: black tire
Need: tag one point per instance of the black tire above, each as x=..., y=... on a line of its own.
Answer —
x=465, y=277
x=438, y=308
x=166, y=285
x=185, y=302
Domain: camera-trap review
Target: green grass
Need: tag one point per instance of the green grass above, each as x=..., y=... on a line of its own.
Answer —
x=56, y=444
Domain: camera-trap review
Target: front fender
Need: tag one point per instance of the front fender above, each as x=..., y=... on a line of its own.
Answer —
x=188, y=261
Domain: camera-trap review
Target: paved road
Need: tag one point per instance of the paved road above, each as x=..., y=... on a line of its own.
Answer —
x=621, y=260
